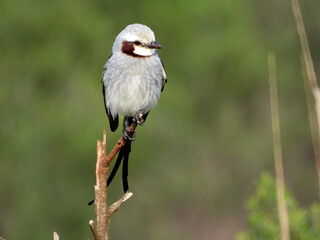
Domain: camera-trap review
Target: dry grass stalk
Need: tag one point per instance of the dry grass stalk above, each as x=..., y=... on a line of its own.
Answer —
x=55, y=236
x=282, y=207
x=304, y=43
x=313, y=115
x=312, y=85
x=100, y=228
x=316, y=94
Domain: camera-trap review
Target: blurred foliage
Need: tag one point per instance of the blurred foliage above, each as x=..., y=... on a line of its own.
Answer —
x=195, y=160
x=263, y=221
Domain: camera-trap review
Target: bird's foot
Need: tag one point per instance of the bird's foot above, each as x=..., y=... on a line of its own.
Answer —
x=129, y=134
x=138, y=118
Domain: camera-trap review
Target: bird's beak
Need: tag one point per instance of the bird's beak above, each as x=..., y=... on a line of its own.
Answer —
x=153, y=44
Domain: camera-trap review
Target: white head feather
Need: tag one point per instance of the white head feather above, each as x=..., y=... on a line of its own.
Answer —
x=136, y=33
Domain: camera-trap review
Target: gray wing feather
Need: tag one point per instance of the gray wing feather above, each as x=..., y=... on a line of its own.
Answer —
x=114, y=123
x=164, y=78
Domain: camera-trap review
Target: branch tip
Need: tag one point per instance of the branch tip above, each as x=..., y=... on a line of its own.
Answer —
x=115, y=206
x=127, y=196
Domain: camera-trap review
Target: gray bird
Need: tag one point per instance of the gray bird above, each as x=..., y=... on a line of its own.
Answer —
x=132, y=82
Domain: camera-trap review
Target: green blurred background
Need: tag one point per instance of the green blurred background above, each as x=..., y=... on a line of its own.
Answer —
x=197, y=158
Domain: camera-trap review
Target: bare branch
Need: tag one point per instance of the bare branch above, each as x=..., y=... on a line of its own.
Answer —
x=100, y=188
x=100, y=228
x=93, y=230
x=121, y=142
x=115, y=206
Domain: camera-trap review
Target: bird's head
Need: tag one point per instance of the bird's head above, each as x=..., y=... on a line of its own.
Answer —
x=136, y=40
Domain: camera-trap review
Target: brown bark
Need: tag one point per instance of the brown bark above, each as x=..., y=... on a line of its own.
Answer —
x=100, y=228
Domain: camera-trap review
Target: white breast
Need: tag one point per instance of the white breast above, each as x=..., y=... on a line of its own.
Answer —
x=132, y=84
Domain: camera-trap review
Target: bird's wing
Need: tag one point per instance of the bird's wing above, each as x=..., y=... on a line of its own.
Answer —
x=114, y=123
x=164, y=77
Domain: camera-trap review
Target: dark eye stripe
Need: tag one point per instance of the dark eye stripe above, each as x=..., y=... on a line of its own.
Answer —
x=128, y=48
x=137, y=43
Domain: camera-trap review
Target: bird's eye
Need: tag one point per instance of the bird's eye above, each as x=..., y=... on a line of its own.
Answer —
x=137, y=43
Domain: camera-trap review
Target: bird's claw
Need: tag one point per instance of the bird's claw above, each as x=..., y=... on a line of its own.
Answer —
x=138, y=118
x=128, y=134
x=131, y=134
